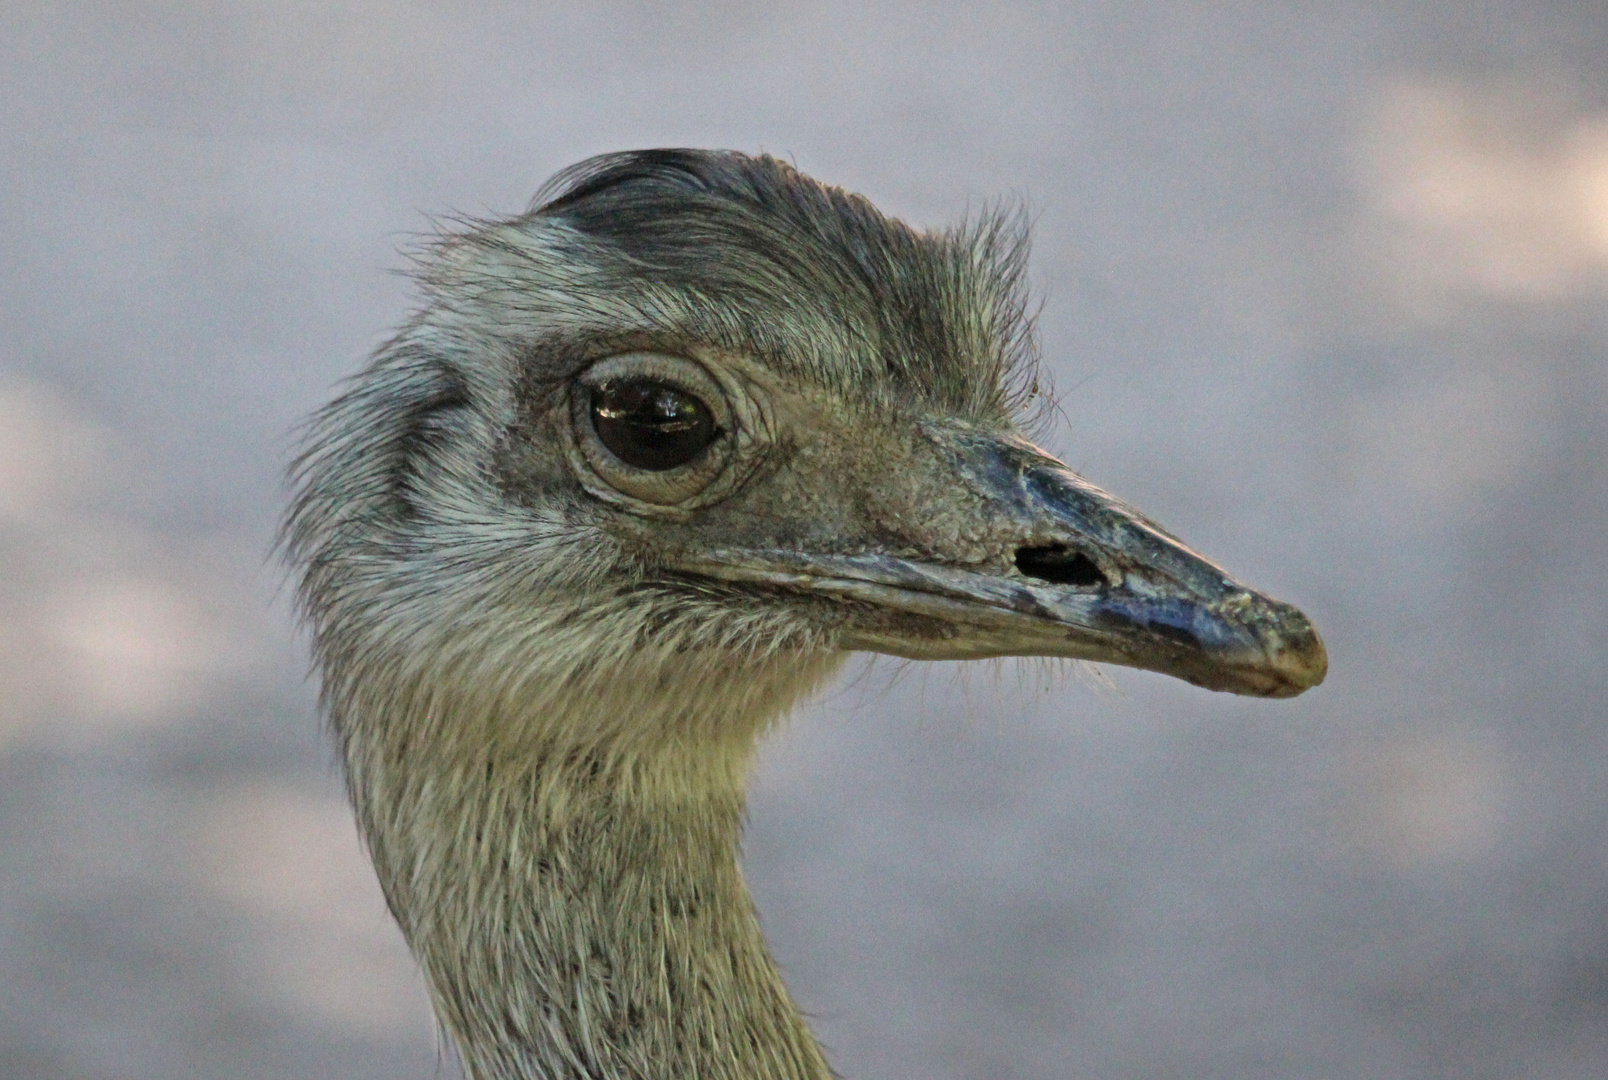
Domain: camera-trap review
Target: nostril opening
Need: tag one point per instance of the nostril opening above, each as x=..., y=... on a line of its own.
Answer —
x=1059, y=565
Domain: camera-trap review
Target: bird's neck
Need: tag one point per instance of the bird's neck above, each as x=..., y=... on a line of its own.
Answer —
x=577, y=906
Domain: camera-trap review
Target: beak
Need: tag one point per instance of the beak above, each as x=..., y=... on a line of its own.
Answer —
x=1077, y=573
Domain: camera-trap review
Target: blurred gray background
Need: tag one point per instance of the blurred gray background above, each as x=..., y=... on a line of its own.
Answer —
x=1326, y=292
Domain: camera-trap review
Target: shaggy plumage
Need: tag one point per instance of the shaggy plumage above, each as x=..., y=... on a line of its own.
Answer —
x=547, y=667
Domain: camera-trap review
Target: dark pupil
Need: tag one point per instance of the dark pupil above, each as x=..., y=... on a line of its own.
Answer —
x=651, y=425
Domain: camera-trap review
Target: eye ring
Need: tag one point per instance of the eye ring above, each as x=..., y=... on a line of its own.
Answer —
x=677, y=469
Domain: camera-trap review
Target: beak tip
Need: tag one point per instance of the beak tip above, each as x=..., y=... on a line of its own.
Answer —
x=1277, y=652
x=1298, y=661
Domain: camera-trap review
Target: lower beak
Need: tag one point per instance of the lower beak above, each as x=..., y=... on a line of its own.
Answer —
x=1086, y=577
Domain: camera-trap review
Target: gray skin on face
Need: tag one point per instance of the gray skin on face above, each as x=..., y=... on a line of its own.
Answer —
x=553, y=621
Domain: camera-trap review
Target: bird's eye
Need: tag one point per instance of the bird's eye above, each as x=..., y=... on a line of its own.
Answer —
x=650, y=424
x=660, y=434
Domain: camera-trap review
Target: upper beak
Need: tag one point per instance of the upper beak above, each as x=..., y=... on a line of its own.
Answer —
x=1078, y=574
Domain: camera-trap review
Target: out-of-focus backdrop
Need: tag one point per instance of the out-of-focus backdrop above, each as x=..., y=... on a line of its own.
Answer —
x=1325, y=290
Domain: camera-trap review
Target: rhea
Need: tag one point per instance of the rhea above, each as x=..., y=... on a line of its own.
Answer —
x=649, y=462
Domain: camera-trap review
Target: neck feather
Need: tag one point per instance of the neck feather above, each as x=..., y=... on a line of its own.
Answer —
x=573, y=895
